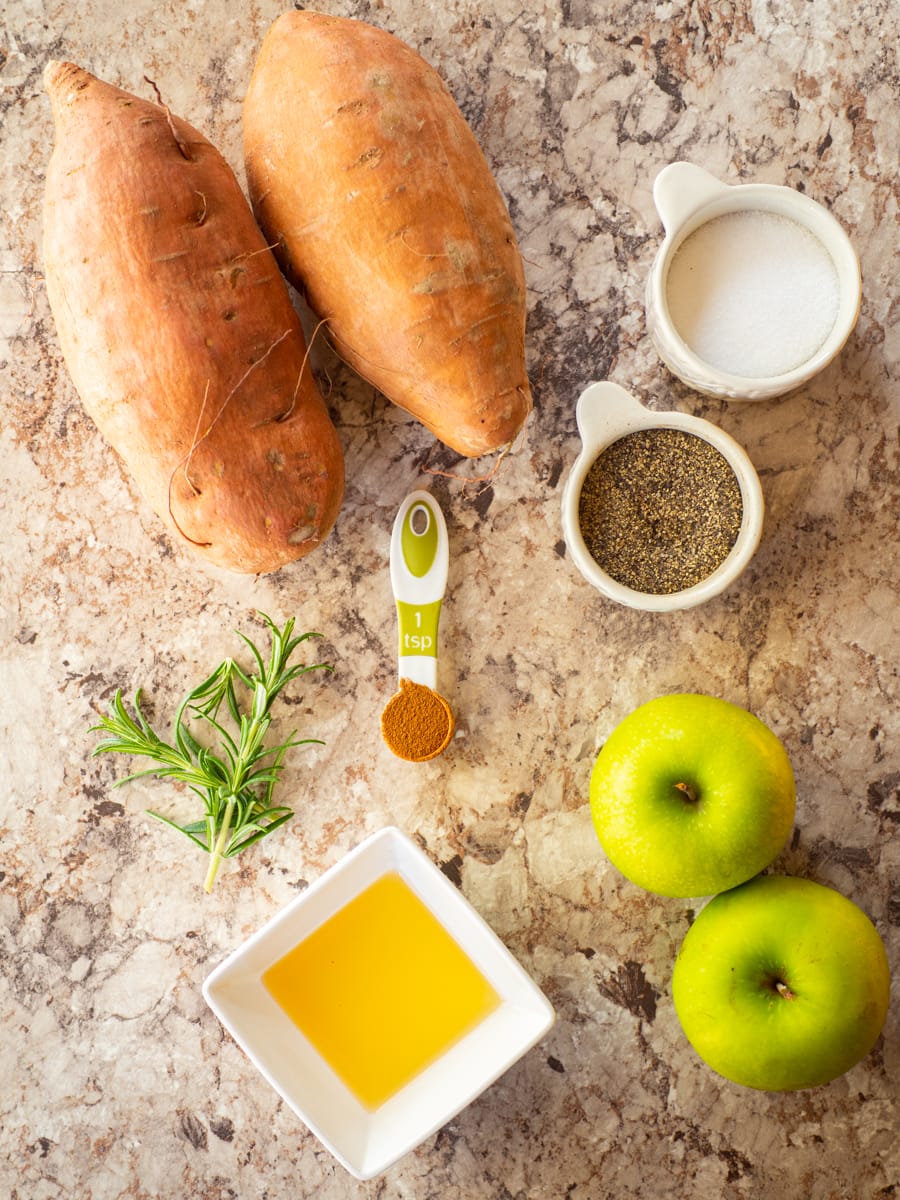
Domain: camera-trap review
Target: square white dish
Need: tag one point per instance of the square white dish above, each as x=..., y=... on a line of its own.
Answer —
x=366, y=1142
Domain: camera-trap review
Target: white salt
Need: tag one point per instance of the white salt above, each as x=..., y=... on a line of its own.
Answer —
x=753, y=293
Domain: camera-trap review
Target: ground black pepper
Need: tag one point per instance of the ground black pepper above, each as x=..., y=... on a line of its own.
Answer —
x=660, y=509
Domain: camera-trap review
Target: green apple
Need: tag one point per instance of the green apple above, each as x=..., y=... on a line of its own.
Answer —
x=781, y=984
x=691, y=795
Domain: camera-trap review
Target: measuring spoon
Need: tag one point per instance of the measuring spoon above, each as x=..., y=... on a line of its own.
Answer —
x=417, y=722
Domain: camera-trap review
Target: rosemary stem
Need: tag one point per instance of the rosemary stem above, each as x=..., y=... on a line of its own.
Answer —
x=215, y=858
x=235, y=779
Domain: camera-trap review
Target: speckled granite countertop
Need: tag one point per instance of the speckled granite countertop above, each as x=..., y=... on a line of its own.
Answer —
x=118, y=1081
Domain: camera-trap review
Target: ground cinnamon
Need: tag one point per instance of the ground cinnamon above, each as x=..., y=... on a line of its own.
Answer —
x=416, y=723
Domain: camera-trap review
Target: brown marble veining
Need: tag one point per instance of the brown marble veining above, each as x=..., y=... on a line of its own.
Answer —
x=117, y=1080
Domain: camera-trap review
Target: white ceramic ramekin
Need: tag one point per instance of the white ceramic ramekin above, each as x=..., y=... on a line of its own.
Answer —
x=606, y=412
x=687, y=197
x=367, y=1142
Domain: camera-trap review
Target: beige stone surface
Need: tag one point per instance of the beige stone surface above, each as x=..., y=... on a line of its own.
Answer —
x=117, y=1080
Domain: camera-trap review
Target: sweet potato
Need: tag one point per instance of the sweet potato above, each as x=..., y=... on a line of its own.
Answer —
x=178, y=330
x=364, y=174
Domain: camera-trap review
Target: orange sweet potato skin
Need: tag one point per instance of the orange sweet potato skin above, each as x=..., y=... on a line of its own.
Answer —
x=365, y=175
x=179, y=333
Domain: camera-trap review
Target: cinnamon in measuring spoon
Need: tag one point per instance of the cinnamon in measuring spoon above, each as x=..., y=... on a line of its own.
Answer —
x=417, y=723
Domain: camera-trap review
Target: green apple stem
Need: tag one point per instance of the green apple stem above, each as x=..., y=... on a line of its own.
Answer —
x=689, y=792
x=783, y=990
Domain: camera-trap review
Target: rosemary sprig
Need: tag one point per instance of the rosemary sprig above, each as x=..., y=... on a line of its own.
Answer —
x=237, y=782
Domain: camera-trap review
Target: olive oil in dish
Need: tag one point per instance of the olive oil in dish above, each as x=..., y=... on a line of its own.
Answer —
x=753, y=293
x=381, y=990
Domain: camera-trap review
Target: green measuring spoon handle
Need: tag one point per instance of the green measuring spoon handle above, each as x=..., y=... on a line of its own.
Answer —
x=419, y=566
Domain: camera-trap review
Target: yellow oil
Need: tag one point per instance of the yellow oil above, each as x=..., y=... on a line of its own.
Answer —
x=381, y=989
